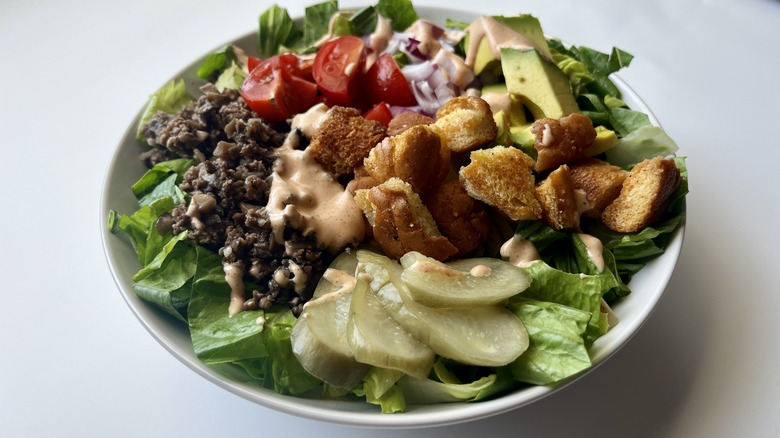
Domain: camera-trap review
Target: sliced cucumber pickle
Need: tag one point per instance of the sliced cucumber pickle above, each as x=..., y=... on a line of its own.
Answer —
x=463, y=283
x=340, y=271
x=376, y=339
x=319, y=340
x=484, y=335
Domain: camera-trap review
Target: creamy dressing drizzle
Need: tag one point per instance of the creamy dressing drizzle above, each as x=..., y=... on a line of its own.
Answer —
x=309, y=198
x=309, y=121
x=499, y=36
x=480, y=271
x=595, y=250
x=520, y=252
x=234, y=275
x=379, y=39
x=547, y=136
x=498, y=102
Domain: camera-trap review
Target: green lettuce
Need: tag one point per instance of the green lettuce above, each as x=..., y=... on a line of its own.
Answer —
x=645, y=142
x=401, y=13
x=580, y=291
x=231, y=78
x=140, y=227
x=557, y=347
x=166, y=280
x=379, y=388
x=317, y=20
x=276, y=29
x=217, y=62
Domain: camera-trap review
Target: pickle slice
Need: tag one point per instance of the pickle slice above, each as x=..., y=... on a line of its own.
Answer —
x=376, y=339
x=340, y=272
x=463, y=283
x=482, y=335
x=319, y=340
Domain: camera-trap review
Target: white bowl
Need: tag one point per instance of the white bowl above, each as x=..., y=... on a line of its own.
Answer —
x=125, y=168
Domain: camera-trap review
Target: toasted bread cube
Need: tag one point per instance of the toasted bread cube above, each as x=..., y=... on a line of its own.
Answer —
x=416, y=156
x=559, y=203
x=561, y=141
x=600, y=181
x=465, y=123
x=401, y=222
x=501, y=176
x=460, y=218
x=343, y=139
x=645, y=195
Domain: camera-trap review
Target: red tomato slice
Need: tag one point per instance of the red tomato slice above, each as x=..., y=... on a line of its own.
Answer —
x=252, y=62
x=386, y=83
x=274, y=93
x=381, y=113
x=338, y=70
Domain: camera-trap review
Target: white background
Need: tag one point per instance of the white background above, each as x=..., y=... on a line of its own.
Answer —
x=74, y=360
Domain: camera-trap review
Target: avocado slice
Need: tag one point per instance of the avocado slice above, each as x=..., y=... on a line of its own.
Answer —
x=516, y=114
x=495, y=28
x=605, y=140
x=543, y=88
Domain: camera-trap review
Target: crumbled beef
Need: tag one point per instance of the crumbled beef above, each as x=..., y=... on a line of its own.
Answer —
x=198, y=128
x=228, y=189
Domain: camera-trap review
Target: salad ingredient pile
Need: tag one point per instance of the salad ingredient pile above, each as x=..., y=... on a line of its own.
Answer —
x=376, y=206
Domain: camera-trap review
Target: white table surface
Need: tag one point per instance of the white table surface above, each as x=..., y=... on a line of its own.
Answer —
x=75, y=361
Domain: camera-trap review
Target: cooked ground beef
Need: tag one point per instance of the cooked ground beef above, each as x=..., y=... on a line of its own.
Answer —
x=228, y=189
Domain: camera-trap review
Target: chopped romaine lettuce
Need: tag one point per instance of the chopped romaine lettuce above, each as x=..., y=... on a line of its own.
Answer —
x=276, y=29
x=217, y=62
x=557, y=347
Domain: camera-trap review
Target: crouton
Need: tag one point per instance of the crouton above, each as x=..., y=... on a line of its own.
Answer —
x=561, y=141
x=400, y=221
x=416, y=156
x=501, y=176
x=644, y=197
x=465, y=123
x=559, y=203
x=406, y=120
x=362, y=180
x=600, y=181
x=460, y=218
x=343, y=139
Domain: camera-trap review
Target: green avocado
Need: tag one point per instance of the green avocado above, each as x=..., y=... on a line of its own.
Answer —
x=542, y=87
x=516, y=115
x=526, y=25
x=605, y=140
x=523, y=138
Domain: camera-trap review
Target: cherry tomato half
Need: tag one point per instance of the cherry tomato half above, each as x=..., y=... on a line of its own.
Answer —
x=381, y=113
x=252, y=62
x=339, y=69
x=275, y=92
x=386, y=83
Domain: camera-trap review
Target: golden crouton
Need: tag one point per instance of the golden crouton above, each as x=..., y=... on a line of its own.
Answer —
x=559, y=203
x=645, y=196
x=465, y=123
x=406, y=120
x=401, y=222
x=343, y=139
x=460, y=218
x=501, y=176
x=561, y=141
x=416, y=156
x=600, y=181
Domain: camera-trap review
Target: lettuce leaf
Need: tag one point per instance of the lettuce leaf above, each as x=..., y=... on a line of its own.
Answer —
x=157, y=175
x=580, y=291
x=276, y=29
x=379, y=388
x=645, y=142
x=217, y=62
x=287, y=374
x=140, y=228
x=401, y=13
x=231, y=78
x=317, y=20
x=216, y=336
x=557, y=348
x=169, y=99
x=166, y=280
